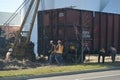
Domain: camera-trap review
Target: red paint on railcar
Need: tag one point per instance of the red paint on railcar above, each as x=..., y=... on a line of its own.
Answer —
x=99, y=29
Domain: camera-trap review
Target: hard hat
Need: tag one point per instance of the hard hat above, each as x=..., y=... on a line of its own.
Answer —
x=51, y=41
x=10, y=50
x=59, y=41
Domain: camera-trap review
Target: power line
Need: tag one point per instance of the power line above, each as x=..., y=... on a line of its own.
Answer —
x=15, y=13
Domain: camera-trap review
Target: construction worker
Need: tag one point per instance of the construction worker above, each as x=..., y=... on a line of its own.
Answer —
x=113, y=52
x=59, y=52
x=8, y=54
x=101, y=53
x=52, y=52
x=71, y=52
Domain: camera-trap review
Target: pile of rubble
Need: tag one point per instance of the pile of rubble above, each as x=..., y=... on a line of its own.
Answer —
x=17, y=64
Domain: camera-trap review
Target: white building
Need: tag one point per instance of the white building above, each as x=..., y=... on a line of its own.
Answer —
x=4, y=16
x=109, y=6
x=112, y=7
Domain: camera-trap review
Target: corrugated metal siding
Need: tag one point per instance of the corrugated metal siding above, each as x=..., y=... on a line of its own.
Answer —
x=103, y=29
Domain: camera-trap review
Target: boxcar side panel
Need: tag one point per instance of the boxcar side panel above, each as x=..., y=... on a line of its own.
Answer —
x=110, y=25
x=96, y=31
x=116, y=30
x=87, y=27
x=103, y=30
x=119, y=35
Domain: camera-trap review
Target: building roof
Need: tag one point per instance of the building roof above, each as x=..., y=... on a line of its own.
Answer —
x=4, y=16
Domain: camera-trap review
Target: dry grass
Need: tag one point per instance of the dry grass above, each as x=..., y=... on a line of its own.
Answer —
x=90, y=64
x=49, y=69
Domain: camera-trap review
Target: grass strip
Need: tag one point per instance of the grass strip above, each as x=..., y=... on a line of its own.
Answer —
x=56, y=69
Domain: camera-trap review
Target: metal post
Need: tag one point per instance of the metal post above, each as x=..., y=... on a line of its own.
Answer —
x=23, y=23
x=82, y=45
x=32, y=22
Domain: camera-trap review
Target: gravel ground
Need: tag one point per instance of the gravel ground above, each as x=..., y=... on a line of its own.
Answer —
x=17, y=64
x=25, y=64
x=94, y=58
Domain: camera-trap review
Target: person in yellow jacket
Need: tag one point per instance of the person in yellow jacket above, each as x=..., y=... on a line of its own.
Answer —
x=101, y=53
x=59, y=52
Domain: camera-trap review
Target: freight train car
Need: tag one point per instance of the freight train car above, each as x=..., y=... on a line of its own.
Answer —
x=77, y=27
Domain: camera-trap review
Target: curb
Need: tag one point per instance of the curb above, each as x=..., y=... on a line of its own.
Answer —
x=77, y=72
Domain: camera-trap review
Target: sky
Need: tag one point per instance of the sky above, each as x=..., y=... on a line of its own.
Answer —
x=9, y=5
x=12, y=5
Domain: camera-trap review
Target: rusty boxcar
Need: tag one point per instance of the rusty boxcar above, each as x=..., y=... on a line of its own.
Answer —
x=98, y=29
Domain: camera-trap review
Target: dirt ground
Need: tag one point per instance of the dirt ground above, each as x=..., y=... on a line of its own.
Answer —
x=15, y=64
x=94, y=58
x=26, y=64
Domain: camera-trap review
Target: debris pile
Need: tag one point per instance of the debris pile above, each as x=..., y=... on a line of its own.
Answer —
x=17, y=64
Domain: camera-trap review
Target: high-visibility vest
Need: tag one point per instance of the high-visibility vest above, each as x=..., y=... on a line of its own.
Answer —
x=72, y=47
x=60, y=49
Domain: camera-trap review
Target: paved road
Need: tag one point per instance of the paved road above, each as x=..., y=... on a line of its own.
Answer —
x=103, y=75
x=100, y=74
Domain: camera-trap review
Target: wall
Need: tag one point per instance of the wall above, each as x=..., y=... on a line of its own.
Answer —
x=4, y=16
x=112, y=7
